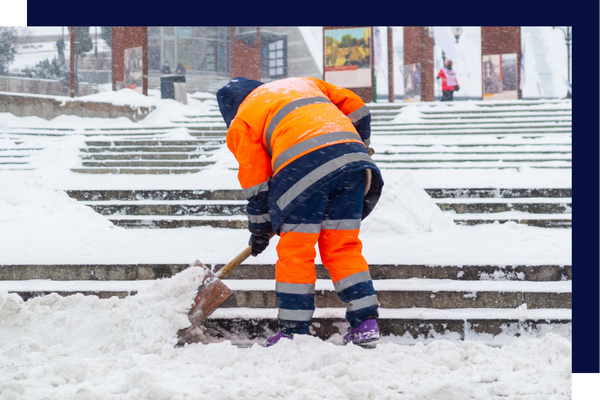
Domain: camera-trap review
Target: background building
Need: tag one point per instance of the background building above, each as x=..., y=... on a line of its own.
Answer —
x=205, y=53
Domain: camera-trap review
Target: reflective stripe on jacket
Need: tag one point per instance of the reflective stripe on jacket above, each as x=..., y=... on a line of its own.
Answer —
x=292, y=135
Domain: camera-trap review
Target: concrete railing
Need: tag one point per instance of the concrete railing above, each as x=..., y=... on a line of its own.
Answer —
x=39, y=86
x=23, y=105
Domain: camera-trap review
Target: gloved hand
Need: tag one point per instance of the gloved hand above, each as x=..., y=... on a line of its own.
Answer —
x=456, y=88
x=259, y=242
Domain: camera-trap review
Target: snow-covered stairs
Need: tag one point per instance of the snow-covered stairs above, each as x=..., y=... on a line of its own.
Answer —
x=15, y=154
x=549, y=208
x=425, y=300
x=499, y=135
x=148, y=156
x=482, y=136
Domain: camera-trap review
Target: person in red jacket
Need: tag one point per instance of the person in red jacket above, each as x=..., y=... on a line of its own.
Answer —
x=302, y=145
x=449, y=81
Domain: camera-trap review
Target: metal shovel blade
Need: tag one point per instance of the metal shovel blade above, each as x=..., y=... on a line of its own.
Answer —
x=211, y=294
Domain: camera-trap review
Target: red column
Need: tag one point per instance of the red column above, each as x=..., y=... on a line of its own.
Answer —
x=72, y=62
x=245, y=56
x=502, y=40
x=418, y=48
x=127, y=37
x=390, y=65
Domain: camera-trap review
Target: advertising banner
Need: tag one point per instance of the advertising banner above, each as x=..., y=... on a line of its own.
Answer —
x=348, y=58
x=412, y=82
x=133, y=69
x=500, y=77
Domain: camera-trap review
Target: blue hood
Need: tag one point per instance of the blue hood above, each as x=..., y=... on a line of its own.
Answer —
x=232, y=95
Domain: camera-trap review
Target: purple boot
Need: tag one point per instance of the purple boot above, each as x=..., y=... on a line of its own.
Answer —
x=271, y=340
x=365, y=333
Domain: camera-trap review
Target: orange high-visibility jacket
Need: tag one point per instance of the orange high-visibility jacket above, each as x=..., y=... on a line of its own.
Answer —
x=292, y=135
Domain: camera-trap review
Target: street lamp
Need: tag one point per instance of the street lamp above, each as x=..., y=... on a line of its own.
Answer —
x=457, y=31
x=567, y=34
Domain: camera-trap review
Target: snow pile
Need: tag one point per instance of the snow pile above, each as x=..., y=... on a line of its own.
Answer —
x=123, y=97
x=88, y=325
x=81, y=347
x=409, y=114
x=405, y=208
x=27, y=209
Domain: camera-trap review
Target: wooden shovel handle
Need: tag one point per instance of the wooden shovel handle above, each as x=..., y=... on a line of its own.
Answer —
x=240, y=258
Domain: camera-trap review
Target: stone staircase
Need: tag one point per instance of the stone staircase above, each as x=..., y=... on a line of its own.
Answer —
x=422, y=300
x=548, y=208
x=417, y=301
x=501, y=135
x=492, y=136
x=157, y=156
x=15, y=154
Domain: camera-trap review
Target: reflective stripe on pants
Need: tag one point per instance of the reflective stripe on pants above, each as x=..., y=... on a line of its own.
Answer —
x=332, y=220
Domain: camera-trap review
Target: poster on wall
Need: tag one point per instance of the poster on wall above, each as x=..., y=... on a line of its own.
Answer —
x=500, y=77
x=412, y=82
x=133, y=69
x=348, y=60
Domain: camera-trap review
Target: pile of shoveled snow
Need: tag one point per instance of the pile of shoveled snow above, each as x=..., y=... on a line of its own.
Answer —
x=406, y=208
x=83, y=348
x=27, y=208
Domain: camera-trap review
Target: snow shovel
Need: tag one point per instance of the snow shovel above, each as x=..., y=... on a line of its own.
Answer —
x=211, y=293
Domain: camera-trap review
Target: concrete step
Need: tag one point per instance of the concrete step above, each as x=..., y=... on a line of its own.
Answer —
x=133, y=272
x=241, y=329
x=465, y=166
x=549, y=104
x=470, y=130
x=147, y=149
x=157, y=142
x=140, y=133
x=495, y=151
x=478, y=115
x=505, y=193
x=109, y=164
x=490, y=110
x=175, y=208
x=209, y=134
x=208, y=128
x=392, y=293
x=157, y=194
x=18, y=156
x=537, y=220
x=459, y=122
x=237, y=194
x=183, y=221
x=484, y=206
x=431, y=136
x=241, y=222
x=19, y=149
x=470, y=157
x=147, y=156
x=468, y=141
x=141, y=171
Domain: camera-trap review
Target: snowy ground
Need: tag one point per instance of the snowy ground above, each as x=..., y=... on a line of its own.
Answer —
x=86, y=348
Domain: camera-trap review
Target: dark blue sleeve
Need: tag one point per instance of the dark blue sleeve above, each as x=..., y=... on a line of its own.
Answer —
x=259, y=219
x=363, y=127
